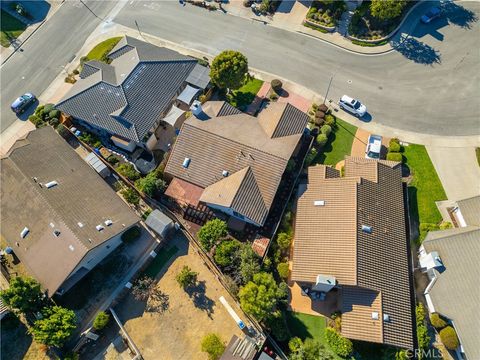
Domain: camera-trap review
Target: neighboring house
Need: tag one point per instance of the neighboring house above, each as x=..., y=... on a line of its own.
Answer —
x=350, y=245
x=234, y=162
x=137, y=99
x=450, y=260
x=58, y=215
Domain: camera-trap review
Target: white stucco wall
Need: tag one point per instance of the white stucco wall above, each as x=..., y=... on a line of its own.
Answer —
x=229, y=211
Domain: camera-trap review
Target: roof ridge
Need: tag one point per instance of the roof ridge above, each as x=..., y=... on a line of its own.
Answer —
x=249, y=171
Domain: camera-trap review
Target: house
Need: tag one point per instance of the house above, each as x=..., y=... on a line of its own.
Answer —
x=233, y=162
x=350, y=243
x=140, y=98
x=58, y=215
x=450, y=260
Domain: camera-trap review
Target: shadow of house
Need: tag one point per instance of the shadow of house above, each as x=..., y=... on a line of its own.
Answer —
x=37, y=10
x=201, y=301
x=417, y=51
x=15, y=339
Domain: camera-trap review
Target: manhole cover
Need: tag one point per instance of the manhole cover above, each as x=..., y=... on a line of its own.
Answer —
x=349, y=81
x=380, y=87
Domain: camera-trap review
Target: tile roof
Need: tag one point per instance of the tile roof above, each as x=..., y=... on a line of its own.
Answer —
x=455, y=292
x=130, y=95
x=470, y=209
x=233, y=142
x=80, y=202
x=329, y=239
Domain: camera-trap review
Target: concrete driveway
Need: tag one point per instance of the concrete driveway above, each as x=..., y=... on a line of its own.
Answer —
x=360, y=143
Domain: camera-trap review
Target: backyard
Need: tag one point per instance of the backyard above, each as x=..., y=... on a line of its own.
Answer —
x=242, y=97
x=339, y=144
x=11, y=28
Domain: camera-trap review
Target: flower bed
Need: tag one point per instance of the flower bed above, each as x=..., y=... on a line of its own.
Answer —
x=365, y=26
x=326, y=13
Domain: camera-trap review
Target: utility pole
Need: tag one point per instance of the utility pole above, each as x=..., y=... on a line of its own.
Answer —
x=328, y=89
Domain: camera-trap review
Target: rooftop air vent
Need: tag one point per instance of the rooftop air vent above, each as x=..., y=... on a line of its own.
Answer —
x=386, y=317
x=99, y=227
x=225, y=173
x=186, y=162
x=375, y=315
x=319, y=203
x=71, y=247
x=108, y=222
x=80, y=224
x=51, y=184
x=56, y=233
x=24, y=232
x=367, y=229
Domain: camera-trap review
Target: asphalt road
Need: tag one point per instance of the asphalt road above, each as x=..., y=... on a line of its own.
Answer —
x=45, y=53
x=429, y=85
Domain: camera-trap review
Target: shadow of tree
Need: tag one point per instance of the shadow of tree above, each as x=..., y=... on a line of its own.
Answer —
x=201, y=301
x=158, y=302
x=417, y=51
x=458, y=15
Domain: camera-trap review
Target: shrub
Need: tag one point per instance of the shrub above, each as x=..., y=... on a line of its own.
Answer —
x=76, y=72
x=321, y=140
x=284, y=240
x=445, y=225
x=394, y=156
x=282, y=269
x=186, y=277
x=423, y=337
x=101, y=320
x=437, y=321
x=276, y=85
x=131, y=234
x=319, y=121
x=247, y=3
x=48, y=107
x=202, y=98
x=319, y=114
x=323, y=108
x=212, y=232
x=131, y=196
x=112, y=159
x=54, y=114
x=326, y=129
x=273, y=96
x=394, y=147
x=149, y=184
x=213, y=346
x=225, y=252
x=330, y=120
x=449, y=338
x=310, y=158
x=128, y=170
x=341, y=346
x=36, y=120
x=394, y=141
x=54, y=122
x=259, y=296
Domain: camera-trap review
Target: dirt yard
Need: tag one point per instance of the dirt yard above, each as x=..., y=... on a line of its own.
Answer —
x=176, y=333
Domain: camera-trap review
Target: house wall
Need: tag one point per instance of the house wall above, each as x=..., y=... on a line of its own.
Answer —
x=229, y=211
x=130, y=147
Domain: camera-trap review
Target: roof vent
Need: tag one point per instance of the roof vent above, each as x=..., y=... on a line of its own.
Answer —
x=225, y=173
x=108, y=222
x=80, y=224
x=186, y=162
x=99, y=227
x=375, y=315
x=196, y=108
x=71, y=247
x=24, y=232
x=367, y=229
x=56, y=233
x=386, y=317
x=35, y=179
x=51, y=184
x=319, y=203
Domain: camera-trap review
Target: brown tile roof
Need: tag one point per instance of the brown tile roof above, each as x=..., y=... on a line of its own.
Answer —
x=81, y=196
x=184, y=192
x=233, y=143
x=329, y=239
x=260, y=246
x=282, y=119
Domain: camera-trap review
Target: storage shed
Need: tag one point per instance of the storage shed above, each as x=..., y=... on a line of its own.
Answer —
x=160, y=223
x=98, y=165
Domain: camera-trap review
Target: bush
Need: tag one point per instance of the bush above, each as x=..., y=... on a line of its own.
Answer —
x=323, y=108
x=341, y=346
x=225, y=252
x=326, y=129
x=36, y=120
x=330, y=120
x=282, y=269
x=213, y=346
x=394, y=141
x=319, y=114
x=101, y=320
x=54, y=114
x=318, y=121
x=76, y=72
x=423, y=337
x=212, y=232
x=437, y=321
x=310, y=158
x=112, y=159
x=63, y=131
x=284, y=240
x=131, y=196
x=394, y=147
x=128, y=170
x=449, y=338
x=54, y=122
x=247, y=3
x=131, y=234
x=48, y=108
x=276, y=85
x=273, y=96
x=322, y=139
x=394, y=156
x=445, y=225
x=186, y=277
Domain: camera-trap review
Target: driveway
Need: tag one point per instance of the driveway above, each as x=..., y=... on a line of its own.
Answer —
x=426, y=86
x=458, y=171
x=360, y=143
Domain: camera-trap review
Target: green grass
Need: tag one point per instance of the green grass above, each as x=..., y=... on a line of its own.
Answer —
x=477, y=152
x=244, y=96
x=159, y=262
x=425, y=187
x=100, y=51
x=339, y=144
x=11, y=28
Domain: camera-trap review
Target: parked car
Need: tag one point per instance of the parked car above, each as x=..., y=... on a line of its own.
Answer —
x=374, y=147
x=431, y=14
x=351, y=105
x=21, y=103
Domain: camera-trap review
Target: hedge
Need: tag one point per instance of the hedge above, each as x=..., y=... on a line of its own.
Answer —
x=449, y=338
x=437, y=321
x=394, y=156
x=341, y=346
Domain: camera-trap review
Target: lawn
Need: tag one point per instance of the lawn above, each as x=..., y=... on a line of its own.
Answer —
x=100, y=51
x=425, y=186
x=159, y=262
x=11, y=28
x=244, y=96
x=339, y=144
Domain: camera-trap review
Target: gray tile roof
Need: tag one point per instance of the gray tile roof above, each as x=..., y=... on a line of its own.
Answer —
x=80, y=202
x=130, y=95
x=455, y=292
x=199, y=77
x=158, y=221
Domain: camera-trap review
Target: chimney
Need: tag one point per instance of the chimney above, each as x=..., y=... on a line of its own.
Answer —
x=196, y=108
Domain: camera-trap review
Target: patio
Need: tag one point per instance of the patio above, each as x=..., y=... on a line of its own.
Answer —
x=302, y=303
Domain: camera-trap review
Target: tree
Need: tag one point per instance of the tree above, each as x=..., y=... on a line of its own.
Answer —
x=284, y=240
x=143, y=288
x=259, y=297
x=213, y=346
x=249, y=263
x=282, y=293
x=186, y=277
x=387, y=9
x=24, y=295
x=128, y=170
x=449, y=338
x=211, y=232
x=225, y=252
x=101, y=320
x=150, y=183
x=308, y=350
x=56, y=326
x=131, y=196
x=229, y=69
x=283, y=270
x=340, y=345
